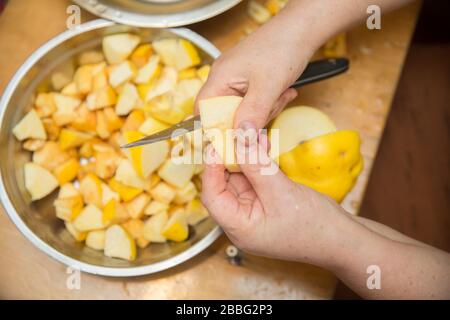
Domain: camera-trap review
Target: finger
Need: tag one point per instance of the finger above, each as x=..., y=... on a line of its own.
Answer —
x=286, y=97
x=255, y=107
x=261, y=171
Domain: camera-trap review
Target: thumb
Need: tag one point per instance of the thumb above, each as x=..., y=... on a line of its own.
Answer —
x=261, y=171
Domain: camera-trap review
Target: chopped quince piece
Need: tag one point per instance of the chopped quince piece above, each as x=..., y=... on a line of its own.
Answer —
x=149, y=72
x=106, y=163
x=65, y=109
x=114, y=212
x=86, y=167
x=45, y=104
x=126, y=193
x=90, y=57
x=147, y=158
x=121, y=73
x=77, y=235
x=66, y=171
x=39, y=182
x=102, y=125
x=166, y=49
x=100, y=80
x=68, y=190
x=185, y=194
x=51, y=128
x=101, y=98
x=90, y=218
x=177, y=174
x=119, y=244
x=50, y=156
x=154, y=226
x=141, y=55
x=69, y=138
x=195, y=212
x=161, y=108
x=135, y=207
x=165, y=83
x=68, y=208
x=178, y=53
x=187, y=74
x=83, y=78
x=203, y=72
x=71, y=90
x=91, y=190
x=118, y=47
x=258, y=12
x=156, y=207
x=135, y=229
x=113, y=121
x=30, y=127
x=218, y=112
x=96, y=239
x=108, y=194
x=162, y=192
x=33, y=144
x=134, y=120
x=128, y=100
x=176, y=228
x=151, y=126
x=85, y=120
x=127, y=175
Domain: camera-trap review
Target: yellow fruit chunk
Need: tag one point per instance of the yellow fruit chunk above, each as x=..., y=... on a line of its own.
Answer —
x=184, y=95
x=50, y=155
x=33, y=144
x=258, y=12
x=147, y=158
x=218, y=112
x=77, y=235
x=151, y=126
x=162, y=109
x=135, y=229
x=108, y=194
x=90, y=218
x=176, y=228
x=39, y=182
x=127, y=175
x=154, y=226
x=203, y=72
x=149, y=72
x=69, y=138
x=44, y=104
x=128, y=100
x=141, y=55
x=68, y=208
x=195, y=212
x=186, y=194
x=126, y=193
x=114, y=212
x=118, y=47
x=67, y=171
x=328, y=164
x=119, y=244
x=71, y=90
x=113, y=122
x=187, y=74
x=135, y=207
x=164, y=84
x=85, y=120
x=187, y=55
x=91, y=190
x=101, y=98
x=156, y=207
x=90, y=57
x=96, y=239
x=121, y=73
x=176, y=174
x=162, y=192
x=65, y=109
x=30, y=127
x=298, y=124
x=134, y=120
x=83, y=79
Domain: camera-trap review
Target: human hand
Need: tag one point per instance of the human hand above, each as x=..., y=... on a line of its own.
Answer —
x=268, y=214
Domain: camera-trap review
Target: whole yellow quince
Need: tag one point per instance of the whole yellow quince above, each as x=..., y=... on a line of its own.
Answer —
x=328, y=164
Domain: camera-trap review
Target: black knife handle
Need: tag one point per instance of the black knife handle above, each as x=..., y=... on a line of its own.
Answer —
x=322, y=69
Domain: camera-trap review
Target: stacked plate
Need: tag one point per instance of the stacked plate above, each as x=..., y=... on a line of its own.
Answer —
x=156, y=13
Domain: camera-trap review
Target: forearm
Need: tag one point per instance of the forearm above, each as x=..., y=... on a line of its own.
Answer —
x=408, y=269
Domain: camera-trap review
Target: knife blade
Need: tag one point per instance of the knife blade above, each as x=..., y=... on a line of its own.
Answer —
x=315, y=71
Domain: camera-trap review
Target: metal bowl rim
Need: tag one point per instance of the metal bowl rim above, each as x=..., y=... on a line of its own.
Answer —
x=20, y=224
x=163, y=20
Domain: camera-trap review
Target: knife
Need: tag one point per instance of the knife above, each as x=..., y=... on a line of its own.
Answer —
x=314, y=71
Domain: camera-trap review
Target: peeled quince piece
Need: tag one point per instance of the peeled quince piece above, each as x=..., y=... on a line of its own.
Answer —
x=119, y=244
x=118, y=47
x=38, y=181
x=328, y=164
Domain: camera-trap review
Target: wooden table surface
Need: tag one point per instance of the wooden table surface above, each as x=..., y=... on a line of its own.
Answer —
x=359, y=100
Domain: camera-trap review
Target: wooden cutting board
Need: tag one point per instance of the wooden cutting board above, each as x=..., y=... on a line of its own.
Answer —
x=359, y=100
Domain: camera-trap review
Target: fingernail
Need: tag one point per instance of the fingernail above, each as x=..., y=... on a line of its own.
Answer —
x=247, y=134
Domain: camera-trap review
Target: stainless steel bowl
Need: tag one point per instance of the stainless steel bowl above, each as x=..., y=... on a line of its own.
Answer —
x=157, y=13
x=37, y=220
